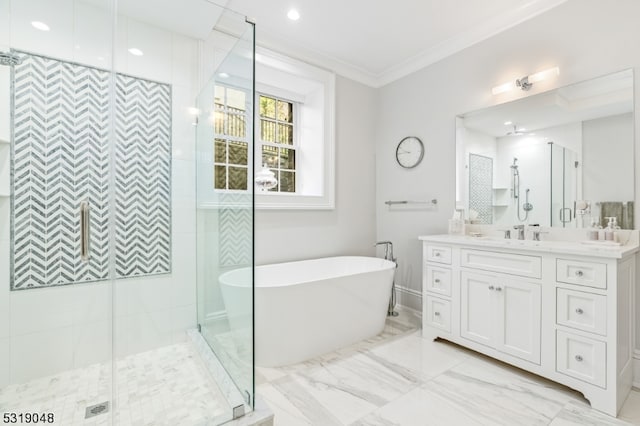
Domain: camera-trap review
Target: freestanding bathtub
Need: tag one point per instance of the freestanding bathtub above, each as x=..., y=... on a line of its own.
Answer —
x=310, y=307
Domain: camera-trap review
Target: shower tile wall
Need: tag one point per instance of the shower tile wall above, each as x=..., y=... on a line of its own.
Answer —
x=44, y=331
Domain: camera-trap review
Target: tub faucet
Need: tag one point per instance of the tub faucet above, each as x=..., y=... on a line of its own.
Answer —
x=388, y=250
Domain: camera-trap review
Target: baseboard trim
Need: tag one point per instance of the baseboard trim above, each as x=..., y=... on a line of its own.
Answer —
x=216, y=316
x=410, y=291
x=636, y=369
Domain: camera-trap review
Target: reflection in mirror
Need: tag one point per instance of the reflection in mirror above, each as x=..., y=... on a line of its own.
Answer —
x=562, y=158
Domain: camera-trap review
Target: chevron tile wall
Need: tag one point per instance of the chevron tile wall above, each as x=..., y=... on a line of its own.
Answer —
x=235, y=230
x=481, y=187
x=143, y=177
x=60, y=157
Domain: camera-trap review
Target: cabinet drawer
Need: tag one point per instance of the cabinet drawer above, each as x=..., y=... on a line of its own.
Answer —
x=514, y=264
x=439, y=254
x=438, y=313
x=438, y=280
x=584, y=311
x=582, y=273
x=581, y=358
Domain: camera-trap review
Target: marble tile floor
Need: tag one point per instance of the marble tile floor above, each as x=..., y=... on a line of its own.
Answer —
x=165, y=386
x=398, y=378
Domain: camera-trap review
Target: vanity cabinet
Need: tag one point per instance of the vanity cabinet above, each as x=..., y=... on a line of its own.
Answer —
x=563, y=312
x=502, y=313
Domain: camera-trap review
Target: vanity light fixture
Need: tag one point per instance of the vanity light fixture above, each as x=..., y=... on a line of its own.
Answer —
x=38, y=25
x=136, y=52
x=525, y=83
x=293, y=14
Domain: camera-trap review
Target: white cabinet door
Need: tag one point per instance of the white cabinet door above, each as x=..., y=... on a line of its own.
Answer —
x=477, y=307
x=518, y=305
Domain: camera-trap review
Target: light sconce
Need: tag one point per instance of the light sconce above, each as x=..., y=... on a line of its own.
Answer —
x=265, y=179
x=525, y=83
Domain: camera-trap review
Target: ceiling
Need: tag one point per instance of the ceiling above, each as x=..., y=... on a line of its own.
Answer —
x=371, y=41
x=377, y=42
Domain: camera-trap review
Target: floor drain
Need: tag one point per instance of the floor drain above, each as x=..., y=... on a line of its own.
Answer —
x=96, y=410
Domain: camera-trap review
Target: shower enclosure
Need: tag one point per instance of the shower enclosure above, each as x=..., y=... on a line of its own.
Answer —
x=110, y=309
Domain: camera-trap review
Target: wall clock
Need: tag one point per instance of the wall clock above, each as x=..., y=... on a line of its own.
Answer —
x=409, y=152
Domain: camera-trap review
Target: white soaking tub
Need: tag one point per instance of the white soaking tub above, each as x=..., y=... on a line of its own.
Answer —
x=310, y=307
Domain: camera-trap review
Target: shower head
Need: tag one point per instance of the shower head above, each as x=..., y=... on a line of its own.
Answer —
x=514, y=165
x=10, y=59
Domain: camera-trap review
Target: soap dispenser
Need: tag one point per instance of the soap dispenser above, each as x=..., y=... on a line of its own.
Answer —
x=593, y=232
x=609, y=230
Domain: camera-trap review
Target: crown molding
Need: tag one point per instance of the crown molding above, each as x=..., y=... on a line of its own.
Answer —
x=472, y=36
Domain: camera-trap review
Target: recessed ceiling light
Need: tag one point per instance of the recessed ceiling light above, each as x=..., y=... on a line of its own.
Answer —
x=293, y=14
x=508, y=123
x=100, y=58
x=223, y=75
x=136, y=52
x=40, y=26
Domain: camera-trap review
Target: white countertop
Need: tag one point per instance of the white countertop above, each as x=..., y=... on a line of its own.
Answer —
x=566, y=247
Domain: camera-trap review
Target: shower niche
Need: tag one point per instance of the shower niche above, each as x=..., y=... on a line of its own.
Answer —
x=559, y=158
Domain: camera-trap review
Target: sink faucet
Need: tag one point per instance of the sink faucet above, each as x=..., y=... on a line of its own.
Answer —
x=520, y=229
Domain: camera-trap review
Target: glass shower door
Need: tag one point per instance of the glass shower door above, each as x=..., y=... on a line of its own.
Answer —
x=55, y=134
x=564, y=185
x=225, y=205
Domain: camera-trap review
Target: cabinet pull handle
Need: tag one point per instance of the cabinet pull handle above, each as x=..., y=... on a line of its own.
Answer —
x=436, y=314
x=84, y=231
x=437, y=281
x=491, y=287
x=579, y=358
x=436, y=254
x=498, y=288
x=579, y=273
x=579, y=311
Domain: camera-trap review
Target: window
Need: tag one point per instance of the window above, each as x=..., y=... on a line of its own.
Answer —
x=294, y=134
x=231, y=142
x=278, y=140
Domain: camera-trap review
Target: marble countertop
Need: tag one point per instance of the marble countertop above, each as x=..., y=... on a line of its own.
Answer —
x=584, y=248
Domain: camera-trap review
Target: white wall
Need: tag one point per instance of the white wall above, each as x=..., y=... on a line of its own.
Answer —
x=349, y=229
x=584, y=38
x=43, y=331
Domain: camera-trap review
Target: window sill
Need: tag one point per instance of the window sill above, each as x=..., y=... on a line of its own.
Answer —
x=293, y=202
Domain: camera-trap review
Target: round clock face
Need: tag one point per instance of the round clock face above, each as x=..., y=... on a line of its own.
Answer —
x=409, y=152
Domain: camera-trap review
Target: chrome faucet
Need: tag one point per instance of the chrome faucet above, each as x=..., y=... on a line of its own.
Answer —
x=535, y=230
x=388, y=250
x=520, y=229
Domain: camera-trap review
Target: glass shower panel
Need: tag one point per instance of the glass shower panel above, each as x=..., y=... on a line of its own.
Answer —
x=55, y=157
x=564, y=185
x=225, y=205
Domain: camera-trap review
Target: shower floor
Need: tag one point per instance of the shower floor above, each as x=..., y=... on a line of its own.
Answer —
x=165, y=386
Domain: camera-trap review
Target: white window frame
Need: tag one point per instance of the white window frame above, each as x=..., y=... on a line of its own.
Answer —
x=309, y=87
x=229, y=138
x=260, y=143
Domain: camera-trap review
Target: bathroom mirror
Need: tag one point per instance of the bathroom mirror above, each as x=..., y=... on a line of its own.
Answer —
x=562, y=158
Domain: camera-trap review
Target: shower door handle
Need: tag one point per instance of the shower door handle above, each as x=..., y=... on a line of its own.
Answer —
x=563, y=216
x=84, y=230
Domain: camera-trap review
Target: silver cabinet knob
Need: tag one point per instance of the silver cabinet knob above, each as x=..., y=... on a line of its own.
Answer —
x=579, y=358
x=579, y=311
x=436, y=254
x=437, y=281
x=498, y=288
x=491, y=287
x=579, y=273
x=436, y=314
